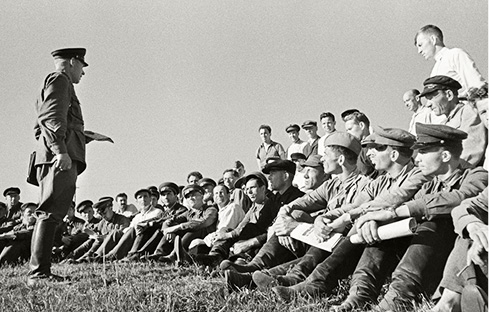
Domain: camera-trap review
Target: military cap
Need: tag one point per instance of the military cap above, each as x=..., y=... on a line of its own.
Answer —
x=83, y=205
x=349, y=112
x=67, y=53
x=313, y=161
x=345, y=140
x=207, y=181
x=292, y=127
x=192, y=188
x=152, y=189
x=168, y=186
x=439, y=82
x=297, y=156
x=253, y=175
x=142, y=191
x=103, y=203
x=437, y=135
x=309, y=124
x=10, y=190
x=29, y=204
x=282, y=164
x=392, y=137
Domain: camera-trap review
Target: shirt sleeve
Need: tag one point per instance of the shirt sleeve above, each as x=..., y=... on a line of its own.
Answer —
x=437, y=204
x=470, y=210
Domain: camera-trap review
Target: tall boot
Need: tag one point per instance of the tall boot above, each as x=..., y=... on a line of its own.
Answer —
x=41, y=249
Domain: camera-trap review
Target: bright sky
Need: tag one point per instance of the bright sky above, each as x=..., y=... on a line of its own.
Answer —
x=184, y=85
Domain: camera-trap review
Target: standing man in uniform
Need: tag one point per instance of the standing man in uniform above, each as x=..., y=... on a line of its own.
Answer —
x=60, y=155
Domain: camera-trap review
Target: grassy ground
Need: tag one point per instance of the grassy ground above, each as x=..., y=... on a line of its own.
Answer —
x=139, y=287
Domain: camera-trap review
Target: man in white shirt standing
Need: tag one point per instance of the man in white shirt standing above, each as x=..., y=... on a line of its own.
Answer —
x=454, y=63
x=328, y=123
x=297, y=146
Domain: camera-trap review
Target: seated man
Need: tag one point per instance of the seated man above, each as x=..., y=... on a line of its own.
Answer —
x=4, y=224
x=254, y=224
x=67, y=238
x=464, y=283
x=14, y=211
x=208, y=185
x=111, y=221
x=229, y=177
x=143, y=224
x=123, y=208
x=418, y=257
x=299, y=159
x=179, y=231
x=15, y=245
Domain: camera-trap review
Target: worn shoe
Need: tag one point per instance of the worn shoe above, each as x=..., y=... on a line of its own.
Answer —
x=284, y=294
x=264, y=280
x=33, y=281
x=247, y=268
x=237, y=281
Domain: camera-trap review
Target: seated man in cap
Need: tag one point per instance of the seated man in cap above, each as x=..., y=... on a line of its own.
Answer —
x=328, y=123
x=179, y=231
x=142, y=225
x=297, y=145
x=208, y=185
x=421, y=113
x=111, y=221
x=388, y=150
x=128, y=210
x=14, y=213
x=254, y=224
x=171, y=208
x=442, y=95
x=15, y=245
x=464, y=283
x=358, y=125
x=311, y=128
x=268, y=148
x=418, y=271
x=67, y=238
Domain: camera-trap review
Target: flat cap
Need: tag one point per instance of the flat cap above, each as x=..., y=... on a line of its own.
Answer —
x=437, y=135
x=83, y=205
x=297, y=156
x=313, y=161
x=439, y=82
x=143, y=190
x=349, y=112
x=391, y=137
x=292, y=127
x=168, y=186
x=282, y=164
x=253, y=175
x=309, y=124
x=67, y=53
x=207, y=181
x=11, y=190
x=345, y=140
x=192, y=188
x=103, y=203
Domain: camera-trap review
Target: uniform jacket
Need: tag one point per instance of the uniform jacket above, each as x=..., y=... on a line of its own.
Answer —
x=59, y=126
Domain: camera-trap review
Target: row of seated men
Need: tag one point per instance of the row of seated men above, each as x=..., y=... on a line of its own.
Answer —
x=243, y=226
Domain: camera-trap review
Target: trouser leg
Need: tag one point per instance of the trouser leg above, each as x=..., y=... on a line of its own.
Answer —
x=57, y=190
x=272, y=254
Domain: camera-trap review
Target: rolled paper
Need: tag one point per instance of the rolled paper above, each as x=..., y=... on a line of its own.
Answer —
x=405, y=227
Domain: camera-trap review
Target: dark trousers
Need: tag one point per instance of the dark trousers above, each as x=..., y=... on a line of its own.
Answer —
x=421, y=268
x=326, y=268
x=273, y=253
x=57, y=189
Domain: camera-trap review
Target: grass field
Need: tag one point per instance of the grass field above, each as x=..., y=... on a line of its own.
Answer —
x=140, y=287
